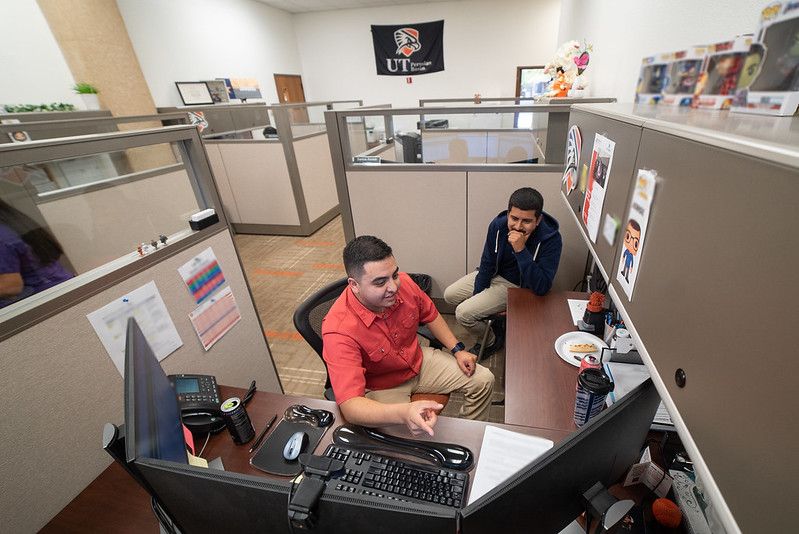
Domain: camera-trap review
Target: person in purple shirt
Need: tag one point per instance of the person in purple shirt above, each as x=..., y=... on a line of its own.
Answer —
x=28, y=257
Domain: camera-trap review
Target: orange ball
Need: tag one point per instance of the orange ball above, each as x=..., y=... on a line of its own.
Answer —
x=667, y=513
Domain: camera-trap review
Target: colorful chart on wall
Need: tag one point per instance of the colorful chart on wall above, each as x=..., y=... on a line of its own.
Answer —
x=202, y=275
x=215, y=317
x=635, y=231
x=574, y=144
x=598, y=177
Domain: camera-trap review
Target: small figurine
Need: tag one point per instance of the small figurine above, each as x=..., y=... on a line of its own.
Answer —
x=154, y=244
x=140, y=250
x=560, y=87
x=162, y=238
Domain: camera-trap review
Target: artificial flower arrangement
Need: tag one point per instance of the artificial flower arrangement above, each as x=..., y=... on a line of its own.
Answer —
x=567, y=68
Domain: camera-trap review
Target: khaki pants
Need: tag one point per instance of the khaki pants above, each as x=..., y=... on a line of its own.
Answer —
x=440, y=374
x=472, y=309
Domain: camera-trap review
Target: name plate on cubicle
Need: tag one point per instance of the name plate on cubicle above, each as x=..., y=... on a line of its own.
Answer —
x=366, y=159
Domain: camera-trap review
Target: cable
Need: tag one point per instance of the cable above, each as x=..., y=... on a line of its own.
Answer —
x=207, y=437
x=250, y=392
x=288, y=503
x=163, y=519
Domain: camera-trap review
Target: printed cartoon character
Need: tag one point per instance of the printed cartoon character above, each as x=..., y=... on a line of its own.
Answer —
x=632, y=238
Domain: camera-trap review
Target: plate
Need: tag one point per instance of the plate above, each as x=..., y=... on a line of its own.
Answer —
x=569, y=338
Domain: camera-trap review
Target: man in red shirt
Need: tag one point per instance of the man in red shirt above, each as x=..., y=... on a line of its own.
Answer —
x=372, y=353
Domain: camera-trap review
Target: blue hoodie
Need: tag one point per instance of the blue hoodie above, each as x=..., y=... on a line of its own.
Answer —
x=534, y=267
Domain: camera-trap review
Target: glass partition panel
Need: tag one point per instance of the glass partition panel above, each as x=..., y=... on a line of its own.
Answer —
x=70, y=173
x=458, y=137
x=66, y=221
x=307, y=119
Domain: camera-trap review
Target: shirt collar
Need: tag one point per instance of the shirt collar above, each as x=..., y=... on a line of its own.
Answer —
x=366, y=315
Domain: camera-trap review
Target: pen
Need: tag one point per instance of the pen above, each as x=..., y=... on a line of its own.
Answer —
x=263, y=432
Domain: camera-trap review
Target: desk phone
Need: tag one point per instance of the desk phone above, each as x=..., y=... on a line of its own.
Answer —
x=196, y=393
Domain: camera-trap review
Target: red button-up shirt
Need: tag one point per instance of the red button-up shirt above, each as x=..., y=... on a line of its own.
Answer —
x=365, y=350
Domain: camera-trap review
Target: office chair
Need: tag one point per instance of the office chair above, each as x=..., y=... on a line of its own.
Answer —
x=308, y=322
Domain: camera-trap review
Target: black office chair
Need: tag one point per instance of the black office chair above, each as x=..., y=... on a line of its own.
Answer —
x=308, y=322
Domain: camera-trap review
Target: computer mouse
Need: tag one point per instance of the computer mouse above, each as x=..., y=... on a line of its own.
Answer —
x=295, y=445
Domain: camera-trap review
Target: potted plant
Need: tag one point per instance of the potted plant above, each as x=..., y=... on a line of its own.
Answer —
x=88, y=93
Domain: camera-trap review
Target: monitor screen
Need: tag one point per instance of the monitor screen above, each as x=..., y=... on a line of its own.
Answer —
x=152, y=415
x=546, y=495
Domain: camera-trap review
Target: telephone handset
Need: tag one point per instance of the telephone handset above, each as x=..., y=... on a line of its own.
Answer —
x=198, y=397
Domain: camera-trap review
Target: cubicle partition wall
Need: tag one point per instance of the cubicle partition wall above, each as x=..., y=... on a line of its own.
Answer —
x=279, y=183
x=435, y=216
x=58, y=383
x=714, y=288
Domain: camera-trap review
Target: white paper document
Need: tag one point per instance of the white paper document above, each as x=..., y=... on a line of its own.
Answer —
x=626, y=377
x=503, y=454
x=147, y=307
x=577, y=309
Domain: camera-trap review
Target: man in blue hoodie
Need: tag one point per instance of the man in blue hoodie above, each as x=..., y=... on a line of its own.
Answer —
x=522, y=249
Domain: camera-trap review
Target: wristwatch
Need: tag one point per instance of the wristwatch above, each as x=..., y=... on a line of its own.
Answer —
x=459, y=346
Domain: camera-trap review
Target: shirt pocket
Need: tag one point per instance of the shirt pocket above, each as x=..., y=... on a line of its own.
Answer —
x=378, y=354
x=410, y=321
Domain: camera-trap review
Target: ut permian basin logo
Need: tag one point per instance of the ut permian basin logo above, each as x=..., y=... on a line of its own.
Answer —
x=409, y=49
x=407, y=40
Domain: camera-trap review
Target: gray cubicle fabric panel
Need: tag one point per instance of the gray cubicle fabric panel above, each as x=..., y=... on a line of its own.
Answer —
x=59, y=387
x=421, y=215
x=488, y=195
x=714, y=295
x=627, y=138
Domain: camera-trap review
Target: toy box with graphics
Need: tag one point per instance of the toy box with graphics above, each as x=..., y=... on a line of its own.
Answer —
x=727, y=67
x=775, y=87
x=652, y=78
x=684, y=72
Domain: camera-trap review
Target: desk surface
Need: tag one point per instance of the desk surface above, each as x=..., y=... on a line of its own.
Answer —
x=115, y=503
x=539, y=386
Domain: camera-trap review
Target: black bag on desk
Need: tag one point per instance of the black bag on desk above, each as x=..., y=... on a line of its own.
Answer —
x=269, y=458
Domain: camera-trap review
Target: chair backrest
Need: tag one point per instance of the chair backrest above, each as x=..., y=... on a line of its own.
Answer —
x=308, y=316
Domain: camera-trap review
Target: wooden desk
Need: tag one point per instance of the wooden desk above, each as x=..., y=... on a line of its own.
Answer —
x=539, y=386
x=115, y=503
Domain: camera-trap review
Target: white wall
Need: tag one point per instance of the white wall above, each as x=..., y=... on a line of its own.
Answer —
x=186, y=40
x=33, y=69
x=625, y=31
x=484, y=42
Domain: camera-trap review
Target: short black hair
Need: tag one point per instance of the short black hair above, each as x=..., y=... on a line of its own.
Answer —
x=362, y=250
x=527, y=199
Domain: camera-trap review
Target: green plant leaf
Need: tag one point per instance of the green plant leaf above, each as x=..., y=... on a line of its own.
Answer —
x=84, y=88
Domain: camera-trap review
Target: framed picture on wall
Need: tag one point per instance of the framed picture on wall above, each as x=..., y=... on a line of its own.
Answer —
x=218, y=91
x=194, y=93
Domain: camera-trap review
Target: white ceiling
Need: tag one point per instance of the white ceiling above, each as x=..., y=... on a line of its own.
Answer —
x=306, y=6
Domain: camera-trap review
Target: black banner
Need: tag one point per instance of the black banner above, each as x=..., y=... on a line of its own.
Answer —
x=409, y=49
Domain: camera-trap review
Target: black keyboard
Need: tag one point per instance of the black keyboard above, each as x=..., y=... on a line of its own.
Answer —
x=379, y=476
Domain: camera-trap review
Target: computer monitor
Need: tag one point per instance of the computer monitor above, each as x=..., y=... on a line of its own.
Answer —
x=209, y=500
x=546, y=495
x=152, y=415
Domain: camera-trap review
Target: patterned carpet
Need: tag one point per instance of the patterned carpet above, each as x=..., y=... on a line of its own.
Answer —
x=283, y=271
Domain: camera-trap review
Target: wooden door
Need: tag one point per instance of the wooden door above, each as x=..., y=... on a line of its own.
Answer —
x=290, y=91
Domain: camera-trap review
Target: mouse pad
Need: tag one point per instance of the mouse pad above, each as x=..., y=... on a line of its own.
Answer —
x=269, y=457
